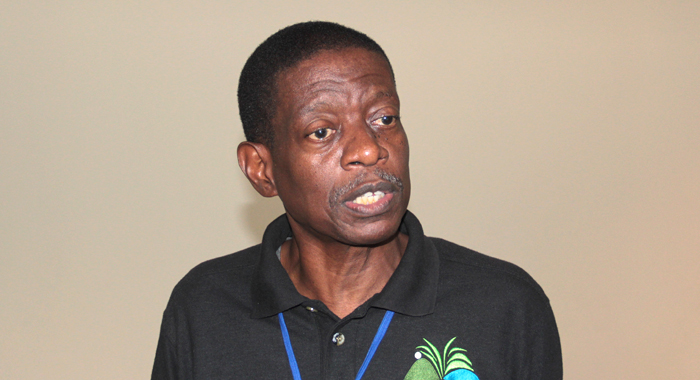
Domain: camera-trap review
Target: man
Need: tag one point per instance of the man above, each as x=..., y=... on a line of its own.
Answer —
x=345, y=284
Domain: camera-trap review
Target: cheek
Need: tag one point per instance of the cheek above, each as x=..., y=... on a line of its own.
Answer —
x=305, y=181
x=400, y=144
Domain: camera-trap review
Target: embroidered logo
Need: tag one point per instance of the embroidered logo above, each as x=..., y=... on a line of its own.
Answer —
x=451, y=364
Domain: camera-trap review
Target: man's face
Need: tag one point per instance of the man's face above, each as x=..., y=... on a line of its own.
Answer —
x=340, y=158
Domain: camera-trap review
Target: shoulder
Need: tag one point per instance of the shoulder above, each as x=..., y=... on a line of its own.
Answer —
x=213, y=293
x=463, y=266
x=230, y=274
x=238, y=261
x=501, y=312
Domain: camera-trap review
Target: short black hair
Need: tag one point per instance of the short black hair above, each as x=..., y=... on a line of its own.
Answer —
x=283, y=50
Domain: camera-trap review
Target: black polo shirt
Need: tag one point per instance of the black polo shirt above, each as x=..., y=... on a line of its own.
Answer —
x=222, y=320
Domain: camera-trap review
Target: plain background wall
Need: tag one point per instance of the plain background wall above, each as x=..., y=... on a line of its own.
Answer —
x=561, y=136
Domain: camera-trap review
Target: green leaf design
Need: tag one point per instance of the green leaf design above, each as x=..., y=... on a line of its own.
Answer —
x=451, y=358
x=457, y=361
x=453, y=349
x=461, y=352
x=447, y=346
x=441, y=366
x=425, y=350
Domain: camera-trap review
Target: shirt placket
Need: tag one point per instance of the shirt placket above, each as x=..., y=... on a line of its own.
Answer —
x=339, y=347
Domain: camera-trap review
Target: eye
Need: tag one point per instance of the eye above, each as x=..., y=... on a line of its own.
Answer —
x=320, y=134
x=385, y=121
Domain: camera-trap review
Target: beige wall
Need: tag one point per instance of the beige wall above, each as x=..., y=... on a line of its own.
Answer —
x=562, y=137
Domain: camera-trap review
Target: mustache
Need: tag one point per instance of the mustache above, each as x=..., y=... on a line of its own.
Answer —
x=341, y=192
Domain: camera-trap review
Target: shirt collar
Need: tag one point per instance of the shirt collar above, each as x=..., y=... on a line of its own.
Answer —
x=411, y=290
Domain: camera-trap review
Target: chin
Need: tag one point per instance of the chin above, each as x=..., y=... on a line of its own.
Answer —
x=373, y=235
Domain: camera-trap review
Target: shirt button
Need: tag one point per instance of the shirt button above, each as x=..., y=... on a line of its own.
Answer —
x=311, y=309
x=338, y=338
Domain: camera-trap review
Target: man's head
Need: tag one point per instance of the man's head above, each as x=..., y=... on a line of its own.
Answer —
x=258, y=82
x=339, y=161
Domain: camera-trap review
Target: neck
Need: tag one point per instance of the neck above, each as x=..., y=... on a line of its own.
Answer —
x=343, y=277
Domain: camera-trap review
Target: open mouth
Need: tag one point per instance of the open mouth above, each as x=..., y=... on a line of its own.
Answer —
x=369, y=198
x=373, y=194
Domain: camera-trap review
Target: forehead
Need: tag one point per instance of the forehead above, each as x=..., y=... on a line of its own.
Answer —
x=341, y=60
x=328, y=71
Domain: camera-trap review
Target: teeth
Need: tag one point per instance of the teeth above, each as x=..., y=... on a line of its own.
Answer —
x=369, y=197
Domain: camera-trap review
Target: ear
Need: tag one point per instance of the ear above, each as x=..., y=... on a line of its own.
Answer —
x=255, y=161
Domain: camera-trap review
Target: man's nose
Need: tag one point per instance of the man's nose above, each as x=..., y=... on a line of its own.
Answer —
x=363, y=147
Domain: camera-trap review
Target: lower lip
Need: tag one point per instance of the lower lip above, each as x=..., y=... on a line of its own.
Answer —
x=373, y=208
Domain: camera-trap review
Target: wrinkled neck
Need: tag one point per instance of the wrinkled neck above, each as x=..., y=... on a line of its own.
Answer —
x=341, y=276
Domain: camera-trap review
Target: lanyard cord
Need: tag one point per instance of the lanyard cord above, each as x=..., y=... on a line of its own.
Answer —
x=375, y=343
x=372, y=349
x=288, y=347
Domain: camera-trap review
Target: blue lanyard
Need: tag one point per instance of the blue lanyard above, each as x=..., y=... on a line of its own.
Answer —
x=372, y=349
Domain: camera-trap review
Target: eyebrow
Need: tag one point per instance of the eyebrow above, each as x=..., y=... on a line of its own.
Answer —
x=315, y=106
x=383, y=94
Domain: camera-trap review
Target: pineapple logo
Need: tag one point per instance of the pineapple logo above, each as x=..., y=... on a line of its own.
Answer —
x=451, y=364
